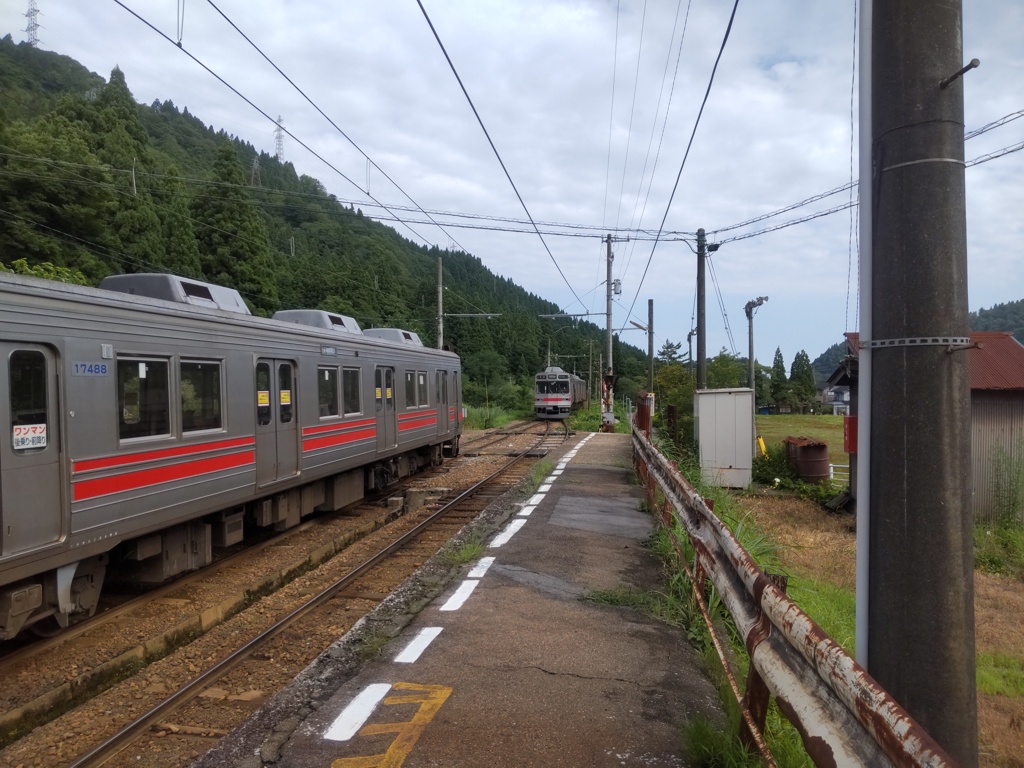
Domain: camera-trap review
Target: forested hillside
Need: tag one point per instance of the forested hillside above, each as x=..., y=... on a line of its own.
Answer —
x=1002, y=317
x=94, y=182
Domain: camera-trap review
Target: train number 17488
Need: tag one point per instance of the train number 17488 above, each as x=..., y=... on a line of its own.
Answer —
x=89, y=369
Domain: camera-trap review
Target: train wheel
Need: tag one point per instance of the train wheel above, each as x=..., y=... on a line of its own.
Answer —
x=48, y=627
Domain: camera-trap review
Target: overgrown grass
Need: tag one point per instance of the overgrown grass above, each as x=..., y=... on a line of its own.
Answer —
x=538, y=472
x=371, y=644
x=589, y=419
x=481, y=417
x=467, y=552
x=828, y=429
x=1000, y=674
x=1000, y=550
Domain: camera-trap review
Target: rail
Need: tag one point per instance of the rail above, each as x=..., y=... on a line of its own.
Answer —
x=844, y=717
x=106, y=750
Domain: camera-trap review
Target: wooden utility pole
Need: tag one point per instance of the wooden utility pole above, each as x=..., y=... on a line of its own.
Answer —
x=920, y=558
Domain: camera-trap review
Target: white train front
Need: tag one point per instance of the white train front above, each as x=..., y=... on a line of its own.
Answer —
x=556, y=393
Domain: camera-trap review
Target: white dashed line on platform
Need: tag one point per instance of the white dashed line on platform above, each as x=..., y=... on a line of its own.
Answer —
x=536, y=499
x=510, y=530
x=461, y=595
x=525, y=511
x=418, y=645
x=352, y=717
x=480, y=568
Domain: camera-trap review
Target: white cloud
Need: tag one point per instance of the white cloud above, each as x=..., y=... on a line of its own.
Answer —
x=776, y=129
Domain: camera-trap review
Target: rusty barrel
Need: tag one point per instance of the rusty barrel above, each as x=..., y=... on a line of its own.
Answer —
x=809, y=457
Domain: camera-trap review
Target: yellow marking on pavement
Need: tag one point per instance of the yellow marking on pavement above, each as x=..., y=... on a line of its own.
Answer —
x=429, y=697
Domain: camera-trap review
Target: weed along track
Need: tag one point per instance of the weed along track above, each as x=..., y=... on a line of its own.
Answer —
x=171, y=695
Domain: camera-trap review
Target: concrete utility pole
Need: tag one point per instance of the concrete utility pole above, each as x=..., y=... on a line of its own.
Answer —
x=440, y=306
x=608, y=402
x=702, y=363
x=920, y=574
x=650, y=345
x=750, y=307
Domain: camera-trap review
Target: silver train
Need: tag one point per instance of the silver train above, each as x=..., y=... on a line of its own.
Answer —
x=556, y=393
x=152, y=418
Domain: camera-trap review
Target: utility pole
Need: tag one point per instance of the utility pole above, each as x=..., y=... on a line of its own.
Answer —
x=702, y=363
x=921, y=566
x=749, y=308
x=650, y=345
x=440, y=306
x=608, y=402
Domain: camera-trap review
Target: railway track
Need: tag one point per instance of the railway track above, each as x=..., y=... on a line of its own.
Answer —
x=208, y=698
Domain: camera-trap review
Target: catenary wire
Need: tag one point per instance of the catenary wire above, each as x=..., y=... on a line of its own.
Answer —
x=329, y=120
x=664, y=126
x=632, y=112
x=501, y=162
x=252, y=104
x=686, y=154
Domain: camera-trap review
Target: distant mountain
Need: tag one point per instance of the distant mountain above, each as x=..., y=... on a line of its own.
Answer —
x=1002, y=317
x=96, y=183
x=825, y=363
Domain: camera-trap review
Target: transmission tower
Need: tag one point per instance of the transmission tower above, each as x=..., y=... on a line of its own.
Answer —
x=254, y=175
x=279, y=140
x=32, y=28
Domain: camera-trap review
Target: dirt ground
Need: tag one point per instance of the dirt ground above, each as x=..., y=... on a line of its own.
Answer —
x=822, y=546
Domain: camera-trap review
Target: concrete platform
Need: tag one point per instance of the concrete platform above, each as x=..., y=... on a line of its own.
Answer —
x=508, y=666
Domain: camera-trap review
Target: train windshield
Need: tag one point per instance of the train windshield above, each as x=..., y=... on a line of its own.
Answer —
x=552, y=387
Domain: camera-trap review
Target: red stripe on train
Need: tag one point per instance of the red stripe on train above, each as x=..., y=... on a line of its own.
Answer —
x=164, y=453
x=328, y=441
x=428, y=421
x=417, y=415
x=338, y=425
x=131, y=481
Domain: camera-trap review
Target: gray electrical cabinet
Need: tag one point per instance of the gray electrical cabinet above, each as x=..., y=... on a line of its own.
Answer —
x=724, y=426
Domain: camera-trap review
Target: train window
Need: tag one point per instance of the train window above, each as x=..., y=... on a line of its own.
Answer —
x=327, y=385
x=410, y=389
x=200, y=395
x=284, y=391
x=350, y=391
x=143, y=399
x=28, y=400
x=422, y=396
x=378, y=383
x=263, y=394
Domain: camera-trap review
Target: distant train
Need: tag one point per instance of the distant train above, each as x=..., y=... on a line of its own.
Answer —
x=152, y=418
x=556, y=393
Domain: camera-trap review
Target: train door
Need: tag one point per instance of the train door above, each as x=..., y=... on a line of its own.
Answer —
x=443, y=415
x=277, y=433
x=31, y=513
x=387, y=418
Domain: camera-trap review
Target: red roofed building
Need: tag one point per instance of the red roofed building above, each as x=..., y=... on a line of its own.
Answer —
x=996, y=368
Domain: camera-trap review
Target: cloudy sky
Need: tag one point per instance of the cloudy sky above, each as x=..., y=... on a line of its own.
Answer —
x=590, y=104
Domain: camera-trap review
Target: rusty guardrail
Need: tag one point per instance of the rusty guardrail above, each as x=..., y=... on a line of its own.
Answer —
x=842, y=714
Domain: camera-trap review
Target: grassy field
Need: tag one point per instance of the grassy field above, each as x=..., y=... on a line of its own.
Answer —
x=828, y=429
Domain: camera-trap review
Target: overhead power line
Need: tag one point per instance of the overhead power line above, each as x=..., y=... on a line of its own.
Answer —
x=328, y=119
x=494, y=148
x=252, y=104
x=686, y=154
